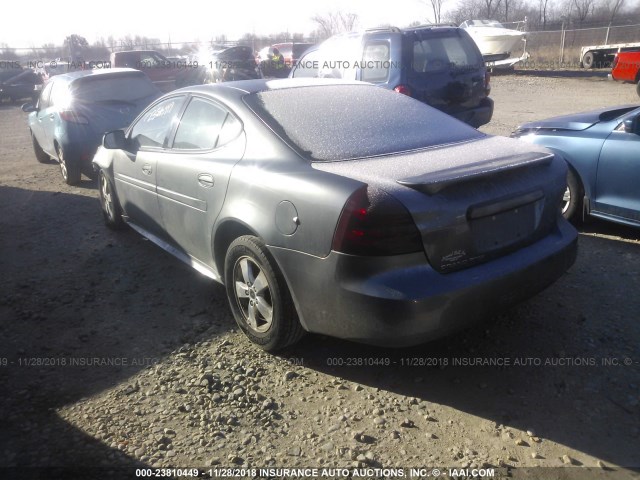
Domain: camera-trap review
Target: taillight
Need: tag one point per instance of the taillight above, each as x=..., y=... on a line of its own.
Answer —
x=487, y=82
x=73, y=117
x=374, y=223
x=403, y=89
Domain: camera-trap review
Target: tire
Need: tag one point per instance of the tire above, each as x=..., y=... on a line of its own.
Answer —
x=111, y=209
x=70, y=170
x=638, y=88
x=588, y=60
x=41, y=155
x=259, y=296
x=572, y=199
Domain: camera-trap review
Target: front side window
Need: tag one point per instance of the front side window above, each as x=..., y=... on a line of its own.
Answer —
x=153, y=128
x=200, y=126
x=43, y=102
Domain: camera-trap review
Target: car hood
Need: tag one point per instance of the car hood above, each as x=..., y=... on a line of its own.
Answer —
x=578, y=121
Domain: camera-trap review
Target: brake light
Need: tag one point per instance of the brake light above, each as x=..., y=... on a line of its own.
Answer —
x=374, y=223
x=487, y=82
x=403, y=89
x=73, y=117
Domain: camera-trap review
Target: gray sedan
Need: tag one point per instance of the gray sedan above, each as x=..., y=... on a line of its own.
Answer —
x=339, y=208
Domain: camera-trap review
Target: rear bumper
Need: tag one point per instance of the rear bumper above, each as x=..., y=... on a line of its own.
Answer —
x=401, y=301
x=478, y=116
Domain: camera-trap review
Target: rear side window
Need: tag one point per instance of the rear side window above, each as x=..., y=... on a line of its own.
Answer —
x=200, y=126
x=125, y=88
x=342, y=122
x=308, y=66
x=375, y=59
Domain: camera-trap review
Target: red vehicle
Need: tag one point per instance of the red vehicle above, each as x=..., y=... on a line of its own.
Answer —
x=626, y=68
x=165, y=74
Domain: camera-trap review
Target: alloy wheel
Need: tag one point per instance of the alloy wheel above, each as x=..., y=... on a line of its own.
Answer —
x=253, y=294
x=105, y=190
x=566, y=200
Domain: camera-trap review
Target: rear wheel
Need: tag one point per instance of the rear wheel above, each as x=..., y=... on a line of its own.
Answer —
x=259, y=296
x=41, y=155
x=588, y=60
x=573, y=195
x=111, y=210
x=69, y=169
x=638, y=88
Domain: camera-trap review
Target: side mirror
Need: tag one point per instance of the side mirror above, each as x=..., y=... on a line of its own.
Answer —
x=631, y=125
x=115, y=140
x=29, y=107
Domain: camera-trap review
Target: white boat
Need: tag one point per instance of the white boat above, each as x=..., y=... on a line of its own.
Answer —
x=495, y=41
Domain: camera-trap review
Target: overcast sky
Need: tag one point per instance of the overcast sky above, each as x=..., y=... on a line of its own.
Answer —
x=34, y=22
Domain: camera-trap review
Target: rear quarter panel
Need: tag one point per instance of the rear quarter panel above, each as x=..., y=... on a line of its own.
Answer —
x=257, y=189
x=627, y=67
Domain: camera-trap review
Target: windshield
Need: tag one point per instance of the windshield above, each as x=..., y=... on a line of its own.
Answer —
x=124, y=88
x=342, y=122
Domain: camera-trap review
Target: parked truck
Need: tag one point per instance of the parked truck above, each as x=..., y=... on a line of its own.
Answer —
x=598, y=56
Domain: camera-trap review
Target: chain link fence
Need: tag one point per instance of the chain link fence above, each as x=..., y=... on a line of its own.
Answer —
x=561, y=48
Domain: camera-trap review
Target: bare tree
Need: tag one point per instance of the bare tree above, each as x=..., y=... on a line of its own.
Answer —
x=8, y=53
x=544, y=11
x=436, y=8
x=614, y=7
x=76, y=46
x=491, y=8
x=583, y=9
x=334, y=22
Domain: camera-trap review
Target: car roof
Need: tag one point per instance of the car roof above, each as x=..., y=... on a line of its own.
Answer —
x=243, y=87
x=98, y=72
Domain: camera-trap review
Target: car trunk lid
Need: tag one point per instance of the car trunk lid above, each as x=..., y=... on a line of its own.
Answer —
x=472, y=201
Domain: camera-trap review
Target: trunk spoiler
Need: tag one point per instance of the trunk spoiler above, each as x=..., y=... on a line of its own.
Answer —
x=435, y=182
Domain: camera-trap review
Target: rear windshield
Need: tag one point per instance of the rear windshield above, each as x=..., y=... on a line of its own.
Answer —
x=342, y=122
x=123, y=87
x=431, y=53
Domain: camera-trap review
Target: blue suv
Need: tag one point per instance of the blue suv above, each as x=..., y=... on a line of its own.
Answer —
x=438, y=65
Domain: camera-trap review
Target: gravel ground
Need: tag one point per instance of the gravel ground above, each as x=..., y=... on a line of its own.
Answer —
x=115, y=356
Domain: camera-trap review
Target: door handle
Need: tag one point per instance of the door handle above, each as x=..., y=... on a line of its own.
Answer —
x=51, y=116
x=146, y=169
x=205, y=180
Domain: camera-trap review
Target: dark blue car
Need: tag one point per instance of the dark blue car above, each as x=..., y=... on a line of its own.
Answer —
x=74, y=111
x=602, y=149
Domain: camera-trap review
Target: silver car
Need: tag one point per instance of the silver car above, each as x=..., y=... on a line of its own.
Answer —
x=339, y=208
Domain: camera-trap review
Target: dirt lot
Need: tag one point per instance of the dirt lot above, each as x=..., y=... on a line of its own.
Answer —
x=115, y=356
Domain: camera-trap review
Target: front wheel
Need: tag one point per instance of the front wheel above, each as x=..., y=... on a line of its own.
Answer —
x=259, y=296
x=572, y=198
